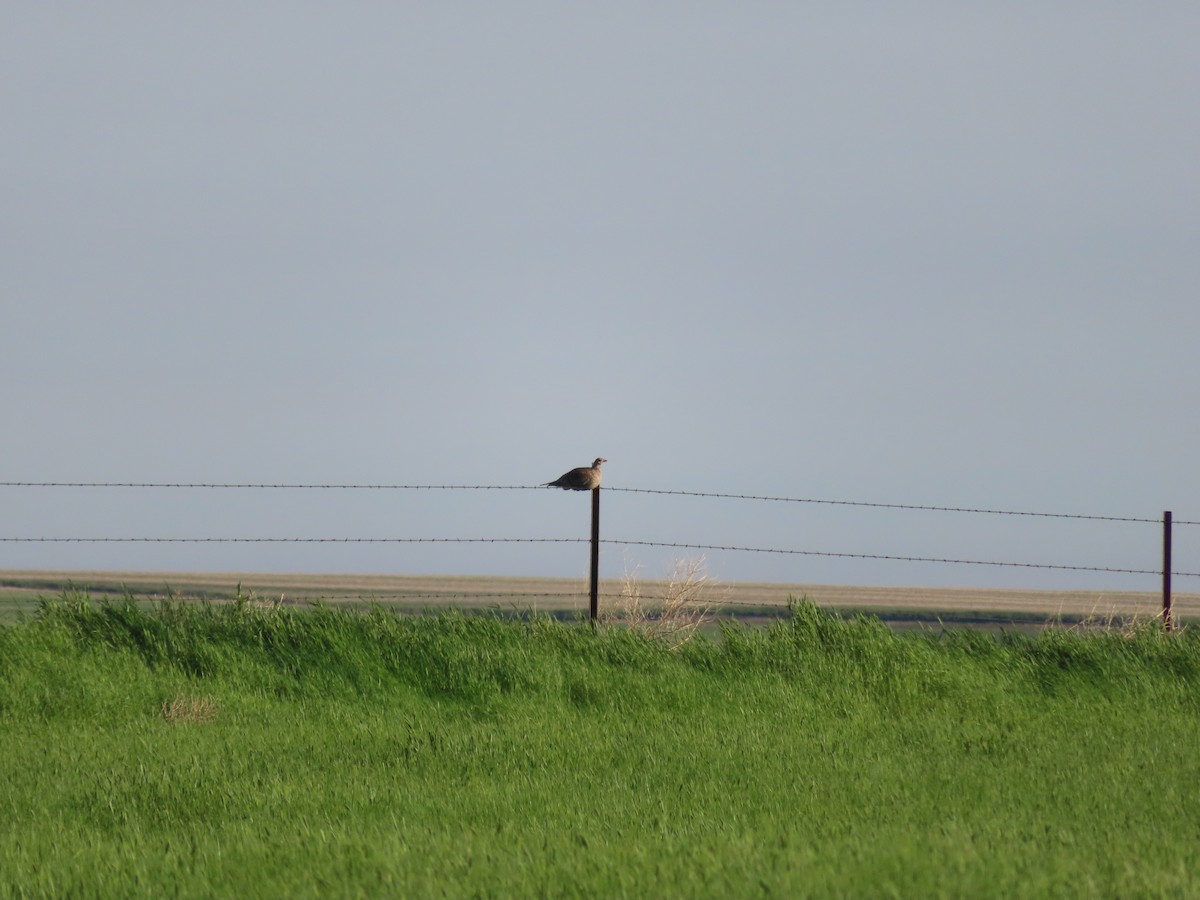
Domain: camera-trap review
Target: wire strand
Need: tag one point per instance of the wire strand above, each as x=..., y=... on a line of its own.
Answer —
x=520, y=540
x=925, y=559
x=905, y=506
x=533, y=487
x=285, y=540
x=273, y=486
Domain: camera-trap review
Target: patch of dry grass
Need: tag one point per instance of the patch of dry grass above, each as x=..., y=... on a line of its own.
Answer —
x=674, y=616
x=1127, y=625
x=184, y=709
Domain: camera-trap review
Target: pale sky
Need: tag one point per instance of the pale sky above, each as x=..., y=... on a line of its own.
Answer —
x=917, y=253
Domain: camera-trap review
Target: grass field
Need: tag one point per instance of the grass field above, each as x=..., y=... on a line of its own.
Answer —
x=247, y=750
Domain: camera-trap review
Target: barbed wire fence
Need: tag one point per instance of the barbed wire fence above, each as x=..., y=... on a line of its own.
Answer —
x=1167, y=522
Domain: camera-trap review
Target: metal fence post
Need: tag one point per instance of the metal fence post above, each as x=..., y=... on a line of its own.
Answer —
x=594, y=593
x=1166, y=571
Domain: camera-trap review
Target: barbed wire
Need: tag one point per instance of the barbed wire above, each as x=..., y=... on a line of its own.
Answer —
x=923, y=507
x=273, y=486
x=547, y=540
x=893, y=558
x=906, y=506
x=306, y=595
x=287, y=540
x=264, y=596
x=510, y=540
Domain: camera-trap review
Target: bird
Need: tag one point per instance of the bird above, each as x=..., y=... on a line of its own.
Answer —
x=585, y=478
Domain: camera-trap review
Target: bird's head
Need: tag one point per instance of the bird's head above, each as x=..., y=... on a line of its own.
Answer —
x=600, y=460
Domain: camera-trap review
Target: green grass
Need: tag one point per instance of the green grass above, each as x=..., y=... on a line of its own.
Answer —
x=240, y=751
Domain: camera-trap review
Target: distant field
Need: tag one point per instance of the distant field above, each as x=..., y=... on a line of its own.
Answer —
x=20, y=590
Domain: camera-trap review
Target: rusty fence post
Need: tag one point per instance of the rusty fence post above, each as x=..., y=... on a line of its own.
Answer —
x=594, y=591
x=1166, y=571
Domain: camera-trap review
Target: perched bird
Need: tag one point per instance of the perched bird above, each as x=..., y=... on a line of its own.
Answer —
x=585, y=478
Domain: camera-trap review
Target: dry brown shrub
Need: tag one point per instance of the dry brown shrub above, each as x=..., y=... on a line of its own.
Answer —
x=674, y=616
x=182, y=708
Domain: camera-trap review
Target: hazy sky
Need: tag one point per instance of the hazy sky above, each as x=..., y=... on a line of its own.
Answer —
x=910, y=253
